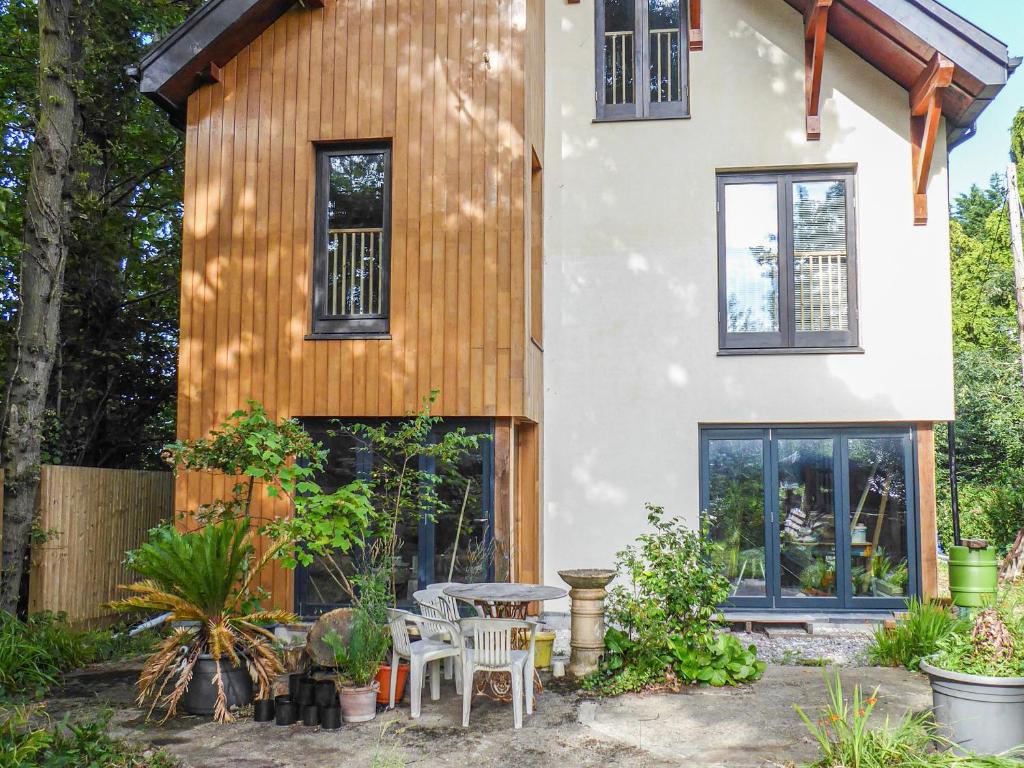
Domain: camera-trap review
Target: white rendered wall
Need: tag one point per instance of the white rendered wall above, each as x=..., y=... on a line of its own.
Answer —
x=631, y=333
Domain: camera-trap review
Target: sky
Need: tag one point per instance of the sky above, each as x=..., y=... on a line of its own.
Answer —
x=974, y=161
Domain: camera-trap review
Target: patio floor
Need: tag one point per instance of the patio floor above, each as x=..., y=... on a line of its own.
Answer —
x=740, y=727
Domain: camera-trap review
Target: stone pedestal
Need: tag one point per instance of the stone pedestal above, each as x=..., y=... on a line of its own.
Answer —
x=587, y=593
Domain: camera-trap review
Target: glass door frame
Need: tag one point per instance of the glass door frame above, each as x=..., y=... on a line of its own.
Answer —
x=844, y=599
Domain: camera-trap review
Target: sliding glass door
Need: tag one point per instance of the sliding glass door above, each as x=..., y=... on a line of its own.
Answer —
x=813, y=518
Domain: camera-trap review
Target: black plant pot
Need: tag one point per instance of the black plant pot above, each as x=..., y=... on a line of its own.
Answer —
x=307, y=693
x=201, y=695
x=287, y=713
x=330, y=718
x=311, y=715
x=263, y=710
x=294, y=680
x=284, y=699
x=326, y=694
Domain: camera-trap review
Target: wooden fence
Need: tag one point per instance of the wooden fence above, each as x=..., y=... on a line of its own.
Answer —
x=92, y=517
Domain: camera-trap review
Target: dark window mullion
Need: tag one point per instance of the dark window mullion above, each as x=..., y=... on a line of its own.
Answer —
x=787, y=291
x=642, y=58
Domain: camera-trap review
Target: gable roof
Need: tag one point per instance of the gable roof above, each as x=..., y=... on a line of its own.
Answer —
x=898, y=37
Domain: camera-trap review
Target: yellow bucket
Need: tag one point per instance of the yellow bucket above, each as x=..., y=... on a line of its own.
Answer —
x=544, y=641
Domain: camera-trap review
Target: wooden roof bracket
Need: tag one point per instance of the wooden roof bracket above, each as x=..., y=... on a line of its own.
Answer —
x=815, y=32
x=925, y=116
x=696, y=30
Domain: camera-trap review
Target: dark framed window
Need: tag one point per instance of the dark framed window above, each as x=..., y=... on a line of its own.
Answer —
x=351, y=261
x=641, y=59
x=787, y=261
x=813, y=517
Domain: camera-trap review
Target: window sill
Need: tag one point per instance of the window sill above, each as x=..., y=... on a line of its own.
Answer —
x=345, y=336
x=652, y=119
x=792, y=351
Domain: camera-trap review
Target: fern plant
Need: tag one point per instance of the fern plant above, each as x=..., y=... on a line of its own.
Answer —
x=203, y=577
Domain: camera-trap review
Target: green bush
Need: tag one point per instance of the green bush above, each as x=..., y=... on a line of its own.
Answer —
x=917, y=634
x=664, y=624
x=24, y=743
x=34, y=653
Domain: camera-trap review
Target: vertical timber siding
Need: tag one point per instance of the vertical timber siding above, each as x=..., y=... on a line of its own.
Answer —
x=446, y=82
x=94, y=516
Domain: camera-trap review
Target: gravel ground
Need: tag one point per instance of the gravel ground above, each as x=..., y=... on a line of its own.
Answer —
x=831, y=644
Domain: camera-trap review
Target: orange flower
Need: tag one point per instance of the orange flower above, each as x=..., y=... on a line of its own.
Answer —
x=860, y=713
x=872, y=701
x=834, y=717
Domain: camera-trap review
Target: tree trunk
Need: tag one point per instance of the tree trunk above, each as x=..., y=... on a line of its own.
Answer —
x=1017, y=243
x=43, y=255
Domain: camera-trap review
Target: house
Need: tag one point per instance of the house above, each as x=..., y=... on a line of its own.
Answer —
x=670, y=251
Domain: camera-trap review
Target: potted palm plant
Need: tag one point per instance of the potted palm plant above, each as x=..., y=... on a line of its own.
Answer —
x=221, y=649
x=358, y=662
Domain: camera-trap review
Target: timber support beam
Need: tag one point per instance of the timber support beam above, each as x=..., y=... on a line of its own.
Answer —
x=695, y=33
x=925, y=116
x=815, y=32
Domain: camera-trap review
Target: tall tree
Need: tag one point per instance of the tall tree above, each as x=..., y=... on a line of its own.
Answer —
x=41, y=282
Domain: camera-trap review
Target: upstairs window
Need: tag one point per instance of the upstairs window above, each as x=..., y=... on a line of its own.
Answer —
x=351, y=264
x=787, y=261
x=641, y=59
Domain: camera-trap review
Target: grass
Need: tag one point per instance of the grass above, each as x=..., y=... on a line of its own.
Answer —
x=916, y=635
x=845, y=739
x=35, y=653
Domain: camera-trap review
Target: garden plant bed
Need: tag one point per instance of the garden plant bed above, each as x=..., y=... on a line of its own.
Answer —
x=743, y=726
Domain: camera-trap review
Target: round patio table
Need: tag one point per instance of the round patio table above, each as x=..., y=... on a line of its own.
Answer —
x=504, y=601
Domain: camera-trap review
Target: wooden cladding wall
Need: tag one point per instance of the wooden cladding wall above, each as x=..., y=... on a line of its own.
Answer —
x=445, y=82
x=95, y=516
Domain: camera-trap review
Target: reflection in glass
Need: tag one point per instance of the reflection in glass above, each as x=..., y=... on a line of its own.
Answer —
x=461, y=525
x=752, y=257
x=819, y=256
x=619, y=16
x=666, y=74
x=807, y=524
x=878, y=516
x=736, y=513
x=355, y=235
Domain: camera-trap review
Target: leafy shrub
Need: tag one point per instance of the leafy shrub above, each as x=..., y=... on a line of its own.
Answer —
x=25, y=744
x=34, y=653
x=992, y=644
x=917, y=634
x=664, y=622
x=359, y=659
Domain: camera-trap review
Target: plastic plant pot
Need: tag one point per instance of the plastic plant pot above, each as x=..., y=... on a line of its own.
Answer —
x=330, y=718
x=384, y=680
x=307, y=693
x=201, y=695
x=282, y=699
x=294, y=681
x=286, y=713
x=544, y=642
x=326, y=694
x=311, y=715
x=263, y=710
x=981, y=714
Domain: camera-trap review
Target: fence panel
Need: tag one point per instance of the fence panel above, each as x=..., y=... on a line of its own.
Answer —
x=90, y=517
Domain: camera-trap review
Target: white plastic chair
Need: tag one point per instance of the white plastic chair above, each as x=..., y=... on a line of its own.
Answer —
x=493, y=651
x=423, y=653
x=435, y=604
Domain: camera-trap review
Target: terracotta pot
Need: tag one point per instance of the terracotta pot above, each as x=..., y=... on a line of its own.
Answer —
x=384, y=681
x=359, y=705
